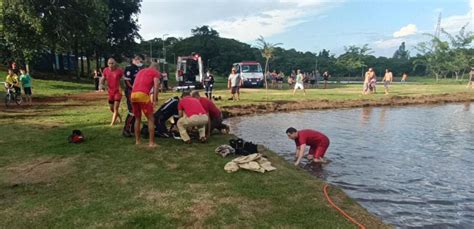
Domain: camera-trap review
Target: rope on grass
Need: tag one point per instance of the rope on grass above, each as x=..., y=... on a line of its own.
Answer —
x=325, y=190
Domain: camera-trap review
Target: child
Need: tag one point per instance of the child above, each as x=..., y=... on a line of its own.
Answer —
x=25, y=80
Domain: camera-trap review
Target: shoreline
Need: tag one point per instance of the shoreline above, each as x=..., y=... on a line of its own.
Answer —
x=325, y=104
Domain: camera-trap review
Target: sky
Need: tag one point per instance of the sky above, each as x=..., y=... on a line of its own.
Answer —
x=309, y=25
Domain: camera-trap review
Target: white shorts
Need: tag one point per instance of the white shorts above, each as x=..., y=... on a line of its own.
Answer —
x=299, y=86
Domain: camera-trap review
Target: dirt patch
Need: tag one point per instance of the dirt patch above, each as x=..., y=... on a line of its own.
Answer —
x=285, y=106
x=44, y=170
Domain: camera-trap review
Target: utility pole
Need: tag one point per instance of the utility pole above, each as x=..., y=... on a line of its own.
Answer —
x=164, y=50
x=151, y=54
x=438, y=27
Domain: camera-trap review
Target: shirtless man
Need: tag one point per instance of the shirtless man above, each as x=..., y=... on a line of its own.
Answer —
x=387, y=80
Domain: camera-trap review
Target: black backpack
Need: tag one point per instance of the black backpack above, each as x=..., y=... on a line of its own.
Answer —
x=242, y=147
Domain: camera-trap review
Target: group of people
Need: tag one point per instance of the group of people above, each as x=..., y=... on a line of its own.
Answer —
x=12, y=81
x=142, y=86
x=370, y=81
x=298, y=79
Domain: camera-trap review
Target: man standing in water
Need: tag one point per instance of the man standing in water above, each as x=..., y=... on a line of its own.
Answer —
x=317, y=141
x=112, y=75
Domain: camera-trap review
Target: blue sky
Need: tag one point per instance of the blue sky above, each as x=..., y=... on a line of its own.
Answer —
x=309, y=25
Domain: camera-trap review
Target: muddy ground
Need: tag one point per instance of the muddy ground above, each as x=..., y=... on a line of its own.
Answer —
x=287, y=106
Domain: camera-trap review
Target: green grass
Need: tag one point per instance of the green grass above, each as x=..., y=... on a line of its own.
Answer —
x=109, y=182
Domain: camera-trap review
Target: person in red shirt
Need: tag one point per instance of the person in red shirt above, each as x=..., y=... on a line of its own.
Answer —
x=145, y=80
x=317, y=141
x=191, y=114
x=215, y=115
x=113, y=74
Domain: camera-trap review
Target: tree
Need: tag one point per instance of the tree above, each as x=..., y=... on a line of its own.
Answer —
x=434, y=57
x=267, y=49
x=353, y=58
x=402, y=53
x=461, y=60
x=122, y=30
x=20, y=31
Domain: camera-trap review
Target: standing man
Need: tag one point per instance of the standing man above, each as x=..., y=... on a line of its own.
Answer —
x=129, y=78
x=112, y=75
x=387, y=80
x=209, y=84
x=471, y=78
x=145, y=80
x=317, y=141
x=326, y=77
x=234, y=82
x=367, y=77
x=191, y=114
x=299, y=82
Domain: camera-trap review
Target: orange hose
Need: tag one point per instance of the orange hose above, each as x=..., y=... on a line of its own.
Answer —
x=325, y=190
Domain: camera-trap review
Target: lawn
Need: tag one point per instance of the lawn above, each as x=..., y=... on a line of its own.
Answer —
x=108, y=182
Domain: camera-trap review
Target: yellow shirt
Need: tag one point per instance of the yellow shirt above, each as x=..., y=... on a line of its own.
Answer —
x=12, y=79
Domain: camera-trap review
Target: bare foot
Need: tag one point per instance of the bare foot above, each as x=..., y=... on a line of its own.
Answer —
x=152, y=145
x=137, y=143
x=320, y=160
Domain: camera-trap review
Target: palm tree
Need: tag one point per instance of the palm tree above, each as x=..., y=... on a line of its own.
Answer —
x=267, y=50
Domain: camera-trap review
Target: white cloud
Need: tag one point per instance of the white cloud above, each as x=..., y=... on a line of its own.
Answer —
x=388, y=43
x=243, y=20
x=266, y=24
x=455, y=22
x=408, y=30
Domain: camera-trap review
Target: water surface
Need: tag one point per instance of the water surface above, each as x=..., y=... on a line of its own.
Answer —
x=412, y=166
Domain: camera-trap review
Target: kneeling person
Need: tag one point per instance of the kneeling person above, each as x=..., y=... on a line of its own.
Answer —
x=215, y=115
x=146, y=80
x=191, y=114
x=317, y=141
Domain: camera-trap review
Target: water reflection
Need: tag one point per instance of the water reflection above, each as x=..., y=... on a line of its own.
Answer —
x=365, y=116
x=410, y=165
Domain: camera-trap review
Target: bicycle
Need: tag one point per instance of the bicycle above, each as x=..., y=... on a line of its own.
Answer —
x=12, y=96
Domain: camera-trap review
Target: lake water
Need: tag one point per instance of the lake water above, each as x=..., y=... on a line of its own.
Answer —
x=411, y=166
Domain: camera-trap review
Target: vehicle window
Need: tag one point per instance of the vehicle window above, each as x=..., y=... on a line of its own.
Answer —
x=251, y=68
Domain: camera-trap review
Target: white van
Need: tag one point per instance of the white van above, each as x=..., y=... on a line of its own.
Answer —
x=189, y=72
x=251, y=73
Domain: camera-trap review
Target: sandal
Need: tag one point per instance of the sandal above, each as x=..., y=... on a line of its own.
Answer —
x=188, y=142
x=203, y=140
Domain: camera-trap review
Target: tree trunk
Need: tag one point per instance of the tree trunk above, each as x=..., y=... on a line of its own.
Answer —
x=82, y=64
x=68, y=61
x=61, y=63
x=53, y=60
x=76, y=62
x=97, y=59
x=88, y=65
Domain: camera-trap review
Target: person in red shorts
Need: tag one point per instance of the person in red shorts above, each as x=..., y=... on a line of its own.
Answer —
x=145, y=80
x=113, y=74
x=317, y=141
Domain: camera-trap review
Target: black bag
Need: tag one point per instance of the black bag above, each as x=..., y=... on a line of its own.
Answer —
x=243, y=148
